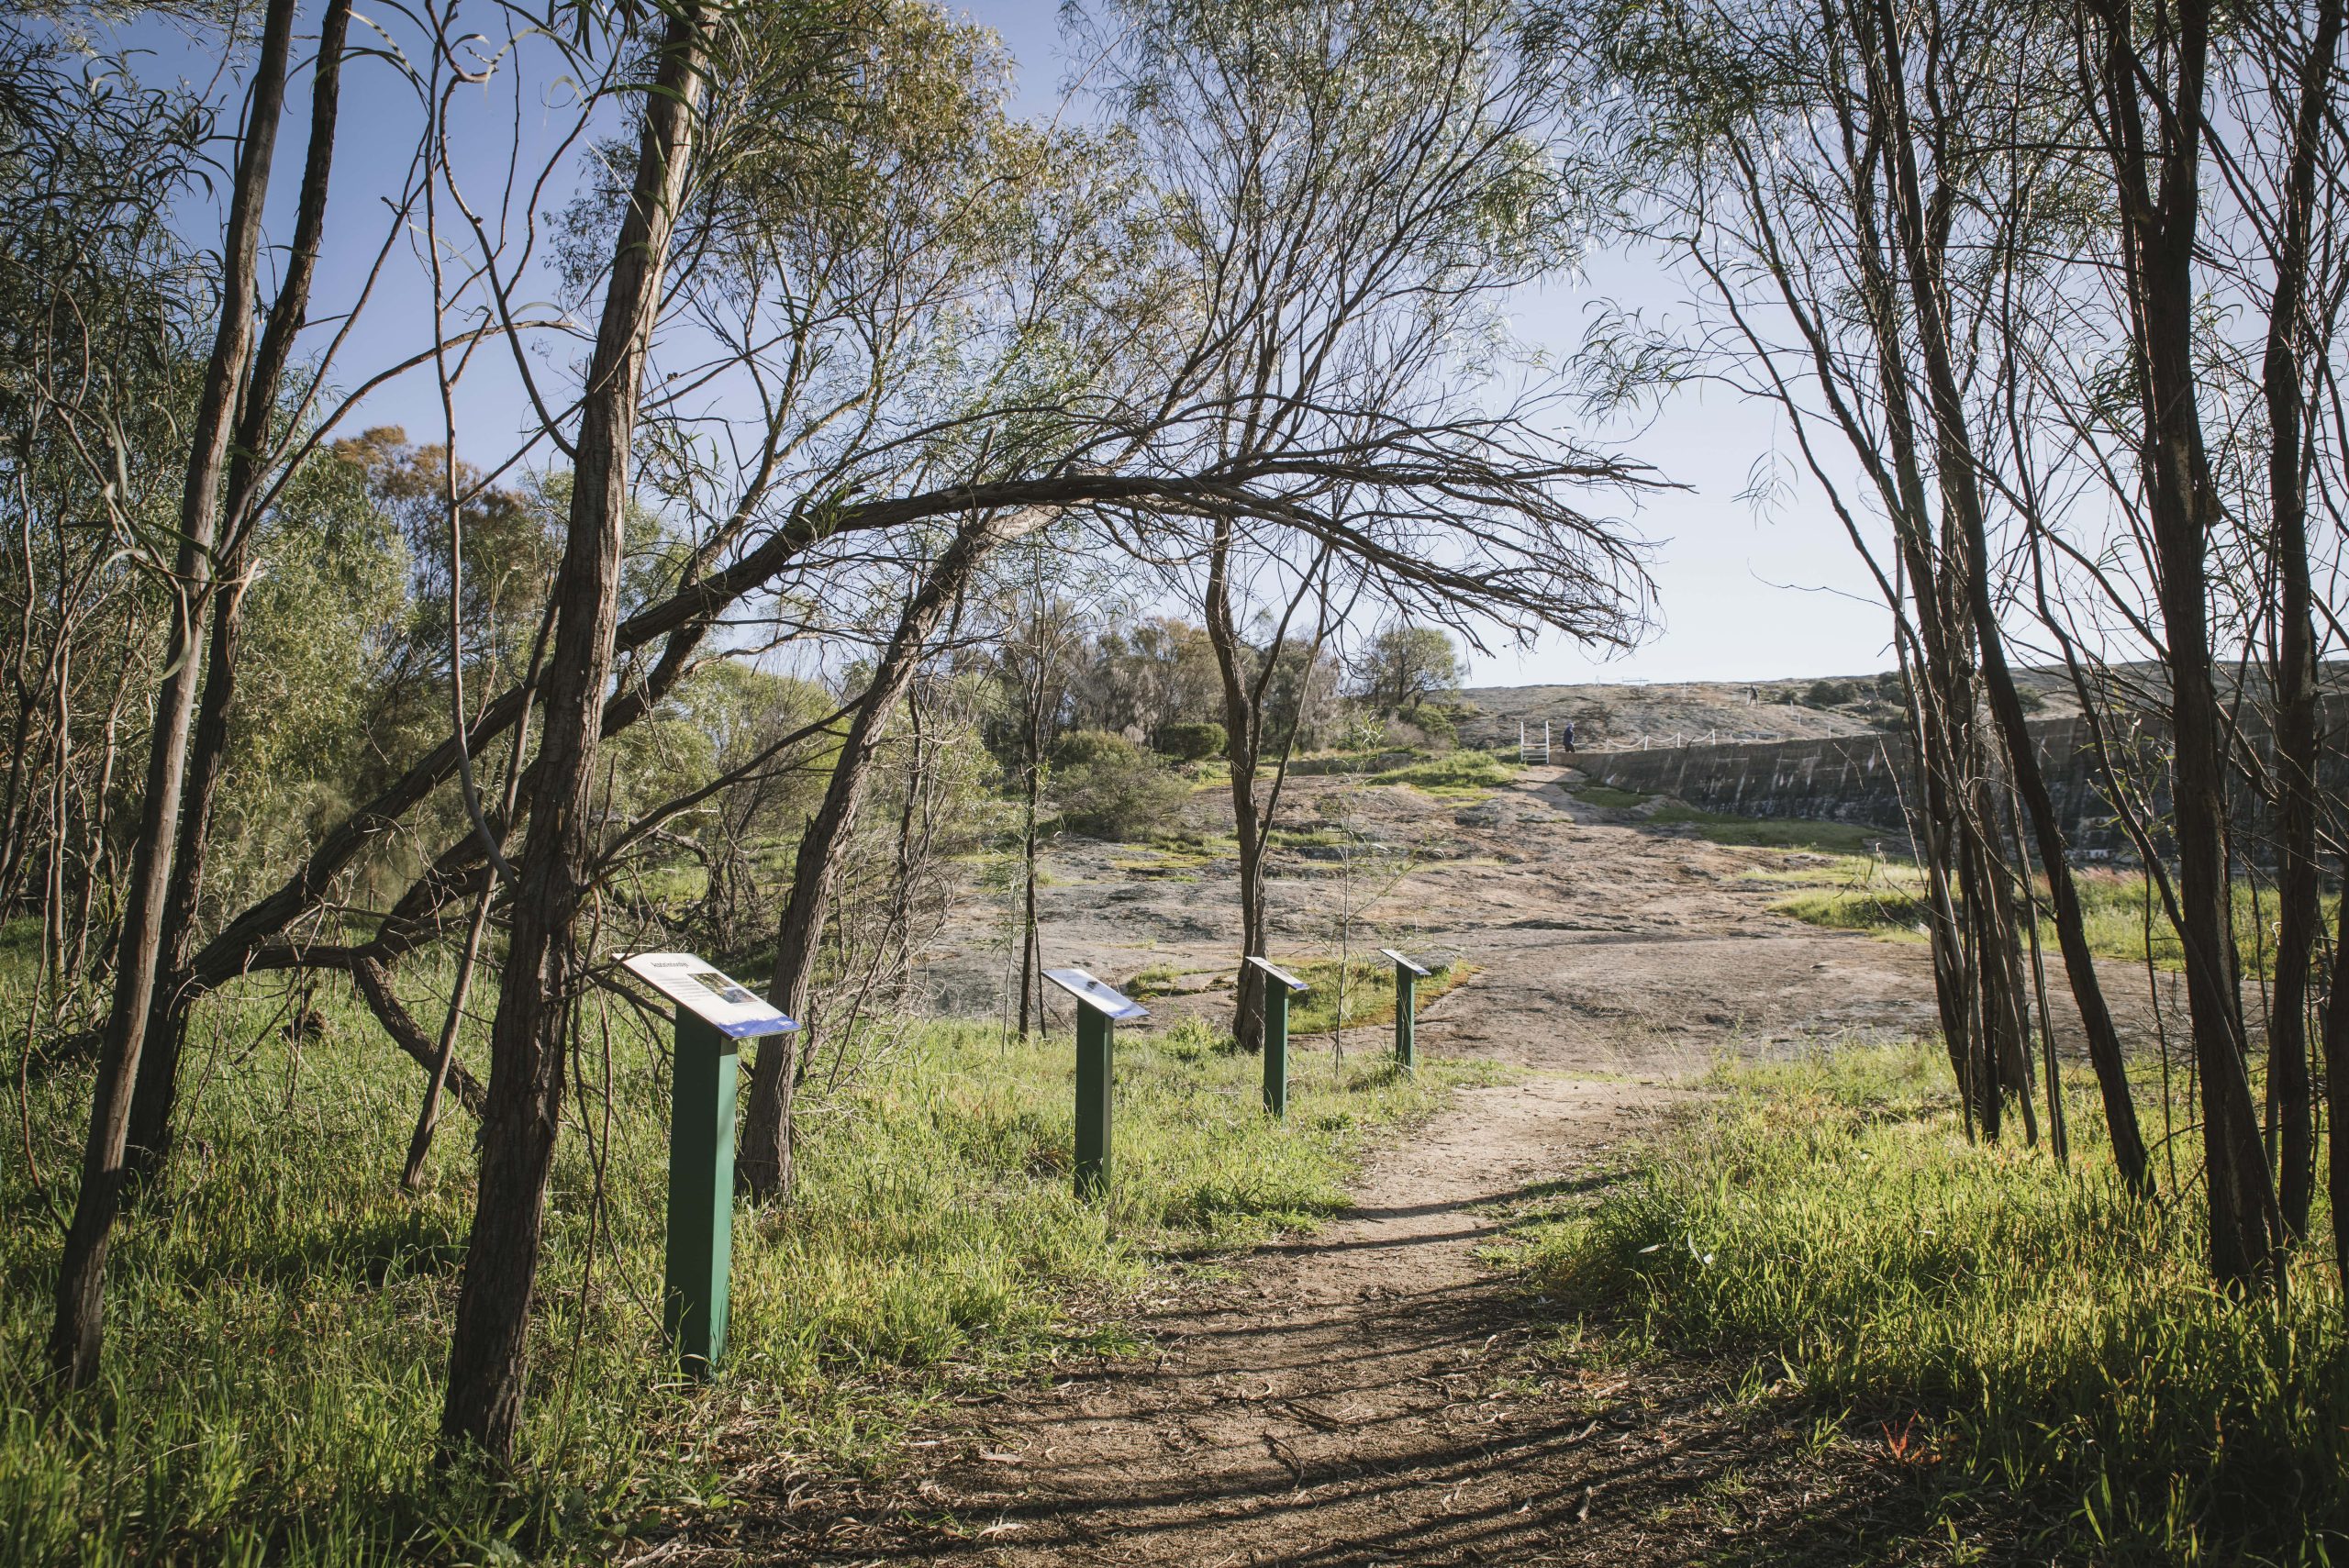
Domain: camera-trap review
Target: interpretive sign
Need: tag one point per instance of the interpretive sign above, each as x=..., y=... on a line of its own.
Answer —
x=1099, y=1008
x=1407, y=976
x=713, y=1014
x=1280, y=984
x=730, y=1008
x=1097, y=995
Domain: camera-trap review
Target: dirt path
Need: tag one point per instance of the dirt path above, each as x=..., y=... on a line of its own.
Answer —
x=1378, y=1392
x=1374, y=1394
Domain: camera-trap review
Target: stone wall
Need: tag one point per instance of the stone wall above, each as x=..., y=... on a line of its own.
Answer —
x=1863, y=778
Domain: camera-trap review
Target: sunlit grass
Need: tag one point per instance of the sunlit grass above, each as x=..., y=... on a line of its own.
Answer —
x=278, y=1314
x=2122, y=917
x=1369, y=992
x=1454, y=773
x=1828, y=1221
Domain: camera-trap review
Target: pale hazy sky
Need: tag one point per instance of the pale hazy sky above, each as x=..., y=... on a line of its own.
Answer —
x=1740, y=596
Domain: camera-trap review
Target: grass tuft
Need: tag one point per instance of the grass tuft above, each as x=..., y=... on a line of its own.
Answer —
x=1829, y=1220
x=1453, y=773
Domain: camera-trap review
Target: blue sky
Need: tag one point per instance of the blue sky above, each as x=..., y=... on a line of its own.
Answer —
x=1740, y=596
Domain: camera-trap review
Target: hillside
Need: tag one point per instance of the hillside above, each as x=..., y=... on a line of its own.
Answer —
x=1623, y=715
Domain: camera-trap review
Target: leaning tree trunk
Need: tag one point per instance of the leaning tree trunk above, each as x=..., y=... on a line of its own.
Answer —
x=538, y=989
x=153, y=1101
x=78, y=1331
x=762, y=1165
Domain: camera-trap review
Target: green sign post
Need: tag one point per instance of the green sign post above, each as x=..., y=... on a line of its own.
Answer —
x=714, y=1015
x=1407, y=976
x=1279, y=985
x=1098, y=1010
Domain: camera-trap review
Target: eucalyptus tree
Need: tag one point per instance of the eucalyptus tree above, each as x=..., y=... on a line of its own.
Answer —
x=1349, y=190
x=101, y=320
x=2182, y=184
x=234, y=398
x=1862, y=194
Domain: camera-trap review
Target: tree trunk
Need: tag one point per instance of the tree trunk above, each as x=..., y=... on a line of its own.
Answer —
x=1962, y=493
x=2336, y=1090
x=151, y=1103
x=1243, y=737
x=2182, y=505
x=538, y=989
x=78, y=1333
x=762, y=1165
x=2300, y=920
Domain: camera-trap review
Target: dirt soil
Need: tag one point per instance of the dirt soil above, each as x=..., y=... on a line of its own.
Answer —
x=1381, y=1392
x=1601, y=942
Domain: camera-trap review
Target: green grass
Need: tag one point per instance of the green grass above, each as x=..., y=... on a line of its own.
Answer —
x=1775, y=833
x=278, y=1315
x=1369, y=992
x=1886, y=899
x=2068, y=1366
x=1608, y=796
x=1453, y=773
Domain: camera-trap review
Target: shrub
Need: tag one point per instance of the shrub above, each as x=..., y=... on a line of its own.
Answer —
x=1831, y=694
x=1190, y=742
x=1105, y=786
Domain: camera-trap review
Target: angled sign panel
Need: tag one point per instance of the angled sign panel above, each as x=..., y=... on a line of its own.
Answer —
x=726, y=1006
x=1277, y=972
x=1416, y=969
x=1096, y=994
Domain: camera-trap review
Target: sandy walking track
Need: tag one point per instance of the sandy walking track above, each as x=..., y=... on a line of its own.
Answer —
x=1379, y=1391
x=1372, y=1393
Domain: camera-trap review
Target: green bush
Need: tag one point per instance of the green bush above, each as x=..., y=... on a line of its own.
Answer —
x=1190, y=742
x=1831, y=694
x=1105, y=786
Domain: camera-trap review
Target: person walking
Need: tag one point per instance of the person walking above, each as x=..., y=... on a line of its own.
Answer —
x=1568, y=735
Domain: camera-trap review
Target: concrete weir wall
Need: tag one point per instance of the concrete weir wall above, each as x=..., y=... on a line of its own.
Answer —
x=1862, y=778
x=1843, y=778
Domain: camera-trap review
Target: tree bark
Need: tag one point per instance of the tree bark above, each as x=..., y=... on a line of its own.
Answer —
x=2182, y=505
x=2299, y=919
x=762, y=1165
x=1243, y=738
x=151, y=1103
x=1961, y=494
x=488, y=1360
x=78, y=1331
x=2336, y=1090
